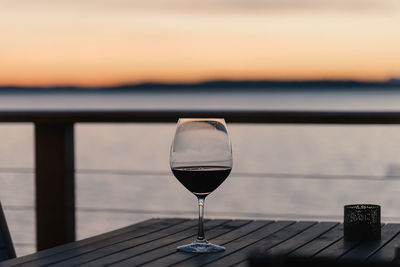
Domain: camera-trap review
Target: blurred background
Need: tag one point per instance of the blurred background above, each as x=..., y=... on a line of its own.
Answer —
x=276, y=55
x=104, y=42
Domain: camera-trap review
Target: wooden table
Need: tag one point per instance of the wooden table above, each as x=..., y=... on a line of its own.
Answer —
x=153, y=243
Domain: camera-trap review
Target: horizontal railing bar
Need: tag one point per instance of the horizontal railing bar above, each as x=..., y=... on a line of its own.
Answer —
x=251, y=175
x=240, y=175
x=231, y=116
x=243, y=175
x=17, y=170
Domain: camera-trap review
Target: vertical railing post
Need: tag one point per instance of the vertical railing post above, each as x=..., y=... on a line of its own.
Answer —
x=55, y=184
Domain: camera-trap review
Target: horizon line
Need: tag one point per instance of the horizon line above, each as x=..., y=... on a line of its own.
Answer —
x=214, y=83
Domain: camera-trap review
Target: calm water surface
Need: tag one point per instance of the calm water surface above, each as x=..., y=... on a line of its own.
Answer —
x=280, y=171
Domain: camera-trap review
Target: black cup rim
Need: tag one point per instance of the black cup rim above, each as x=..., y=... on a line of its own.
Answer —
x=362, y=207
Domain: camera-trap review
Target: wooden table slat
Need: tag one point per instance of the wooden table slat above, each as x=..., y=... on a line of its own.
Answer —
x=236, y=234
x=264, y=244
x=367, y=249
x=302, y=238
x=387, y=252
x=337, y=249
x=241, y=264
x=142, y=226
x=116, y=244
x=155, y=246
x=321, y=242
x=171, y=248
x=154, y=243
x=238, y=244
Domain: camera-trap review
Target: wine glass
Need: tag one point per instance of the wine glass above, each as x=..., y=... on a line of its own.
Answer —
x=201, y=159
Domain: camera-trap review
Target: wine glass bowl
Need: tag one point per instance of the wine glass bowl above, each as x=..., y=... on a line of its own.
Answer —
x=201, y=159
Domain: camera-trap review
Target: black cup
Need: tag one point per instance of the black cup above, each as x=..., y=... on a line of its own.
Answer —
x=362, y=222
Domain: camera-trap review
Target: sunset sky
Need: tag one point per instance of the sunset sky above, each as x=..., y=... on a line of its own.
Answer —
x=111, y=42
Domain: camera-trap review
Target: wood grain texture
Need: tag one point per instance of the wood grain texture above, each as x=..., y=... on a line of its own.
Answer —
x=171, y=247
x=387, y=252
x=140, y=229
x=321, y=242
x=154, y=242
x=227, y=240
x=116, y=244
x=263, y=244
x=367, y=249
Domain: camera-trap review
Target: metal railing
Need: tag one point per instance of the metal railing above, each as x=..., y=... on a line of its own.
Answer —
x=55, y=155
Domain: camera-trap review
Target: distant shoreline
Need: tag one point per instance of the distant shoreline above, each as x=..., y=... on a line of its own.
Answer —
x=393, y=84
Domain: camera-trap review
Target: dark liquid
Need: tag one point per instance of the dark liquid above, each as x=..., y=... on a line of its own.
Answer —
x=201, y=180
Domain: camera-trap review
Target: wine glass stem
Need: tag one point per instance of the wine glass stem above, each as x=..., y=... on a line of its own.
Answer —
x=200, y=235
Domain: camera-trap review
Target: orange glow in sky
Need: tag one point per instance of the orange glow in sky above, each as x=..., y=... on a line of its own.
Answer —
x=110, y=42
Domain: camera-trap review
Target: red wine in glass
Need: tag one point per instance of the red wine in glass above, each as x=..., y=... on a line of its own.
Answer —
x=202, y=180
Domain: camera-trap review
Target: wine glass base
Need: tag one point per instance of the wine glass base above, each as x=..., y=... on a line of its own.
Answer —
x=201, y=247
